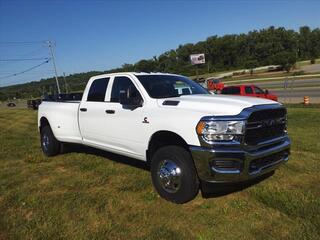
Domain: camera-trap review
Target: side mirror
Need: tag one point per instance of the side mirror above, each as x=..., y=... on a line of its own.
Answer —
x=266, y=91
x=123, y=99
x=128, y=99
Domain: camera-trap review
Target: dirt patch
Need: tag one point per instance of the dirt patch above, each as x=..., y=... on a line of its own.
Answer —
x=61, y=169
x=3, y=236
x=29, y=215
x=45, y=180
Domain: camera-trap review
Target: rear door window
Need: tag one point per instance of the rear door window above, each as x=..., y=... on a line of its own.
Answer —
x=248, y=90
x=97, y=91
x=231, y=90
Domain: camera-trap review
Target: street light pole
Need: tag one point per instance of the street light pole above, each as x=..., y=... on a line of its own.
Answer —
x=54, y=65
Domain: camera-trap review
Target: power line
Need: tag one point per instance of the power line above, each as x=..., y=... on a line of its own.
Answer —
x=49, y=44
x=54, y=64
x=22, y=59
x=25, y=42
x=37, y=50
x=40, y=71
x=27, y=70
x=25, y=55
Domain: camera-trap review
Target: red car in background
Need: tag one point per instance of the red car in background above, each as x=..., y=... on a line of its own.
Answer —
x=214, y=84
x=248, y=90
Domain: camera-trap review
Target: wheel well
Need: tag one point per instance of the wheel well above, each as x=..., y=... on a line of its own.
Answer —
x=164, y=138
x=43, y=122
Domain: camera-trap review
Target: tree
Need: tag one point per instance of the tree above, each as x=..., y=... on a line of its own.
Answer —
x=145, y=66
x=285, y=59
x=304, y=42
x=251, y=64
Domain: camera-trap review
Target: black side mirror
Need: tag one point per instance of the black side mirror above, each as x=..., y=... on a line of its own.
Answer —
x=266, y=91
x=127, y=98
x=123, y=99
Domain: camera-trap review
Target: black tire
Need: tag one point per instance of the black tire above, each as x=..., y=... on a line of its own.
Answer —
x=184, y=183
x=49, y=144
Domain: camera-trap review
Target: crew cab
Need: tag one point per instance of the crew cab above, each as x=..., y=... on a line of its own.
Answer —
x=249, y=90
x=190, y=138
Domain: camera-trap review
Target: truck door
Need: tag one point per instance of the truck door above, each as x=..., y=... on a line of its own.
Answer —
x=249, y=91
x=92, y=115
x=259, y=92
x=124, y=126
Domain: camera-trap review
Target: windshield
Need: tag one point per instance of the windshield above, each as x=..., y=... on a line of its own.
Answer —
x=165, y=86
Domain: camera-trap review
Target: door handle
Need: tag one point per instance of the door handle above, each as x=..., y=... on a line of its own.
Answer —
x=110, y=111
x=83, y=109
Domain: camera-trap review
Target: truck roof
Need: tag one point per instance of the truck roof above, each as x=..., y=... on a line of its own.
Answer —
x=133, y=73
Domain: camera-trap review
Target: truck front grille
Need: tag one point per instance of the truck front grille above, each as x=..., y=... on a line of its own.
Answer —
x=265, y=125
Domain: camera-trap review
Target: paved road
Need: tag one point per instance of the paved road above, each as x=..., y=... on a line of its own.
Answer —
x=296, y=95
x=311, y=68
x=293, y=83
x=295, y=91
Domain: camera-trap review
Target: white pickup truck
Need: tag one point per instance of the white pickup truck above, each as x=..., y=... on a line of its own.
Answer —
x=189, y=137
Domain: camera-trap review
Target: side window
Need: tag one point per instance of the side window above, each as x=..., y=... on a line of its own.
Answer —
x=248, y=90
x=97, y=91
x=123, y=84
x=236, y=90
x=231, y=90
x=258, y=90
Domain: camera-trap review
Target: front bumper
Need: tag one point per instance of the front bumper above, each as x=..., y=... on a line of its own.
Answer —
x=237, y=163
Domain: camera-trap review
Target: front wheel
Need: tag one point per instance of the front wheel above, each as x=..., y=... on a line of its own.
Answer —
x=174, y=175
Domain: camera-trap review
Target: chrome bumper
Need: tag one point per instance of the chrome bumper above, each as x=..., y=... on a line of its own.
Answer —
x=223, y=164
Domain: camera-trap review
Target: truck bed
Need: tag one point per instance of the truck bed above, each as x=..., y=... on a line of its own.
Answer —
x=63, y=117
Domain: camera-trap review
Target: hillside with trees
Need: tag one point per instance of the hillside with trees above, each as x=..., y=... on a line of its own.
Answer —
x=256, y=48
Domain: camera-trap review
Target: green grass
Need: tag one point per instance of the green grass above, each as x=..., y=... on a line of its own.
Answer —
x=306, y=62
x=87, y=196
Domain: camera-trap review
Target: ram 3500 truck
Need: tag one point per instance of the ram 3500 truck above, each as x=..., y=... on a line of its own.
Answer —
x=189, y=137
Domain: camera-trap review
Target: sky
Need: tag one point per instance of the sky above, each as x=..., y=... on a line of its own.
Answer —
x=100, y=35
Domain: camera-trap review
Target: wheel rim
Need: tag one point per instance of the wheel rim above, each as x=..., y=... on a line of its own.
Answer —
x=169, y=175
x=45, y=142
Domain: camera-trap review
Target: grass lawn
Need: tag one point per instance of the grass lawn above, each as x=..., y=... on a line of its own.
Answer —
x=85, y=195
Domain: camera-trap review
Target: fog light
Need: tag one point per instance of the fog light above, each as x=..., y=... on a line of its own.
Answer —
x=226, y=166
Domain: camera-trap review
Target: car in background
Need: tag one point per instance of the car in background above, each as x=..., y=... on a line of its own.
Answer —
x=11, y=104
x=34, y=103
x=249, y=91
x=75, y=96
x=214, y=84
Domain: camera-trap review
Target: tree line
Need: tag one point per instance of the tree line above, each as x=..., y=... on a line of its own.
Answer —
x=269, y=46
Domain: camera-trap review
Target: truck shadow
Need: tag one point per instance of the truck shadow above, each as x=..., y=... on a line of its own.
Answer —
x=77, y=148
x=208, y=191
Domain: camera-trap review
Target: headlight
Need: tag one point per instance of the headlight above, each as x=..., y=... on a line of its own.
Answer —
x=220, y=130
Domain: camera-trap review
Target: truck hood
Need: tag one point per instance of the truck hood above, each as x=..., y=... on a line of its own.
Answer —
x=217, y=104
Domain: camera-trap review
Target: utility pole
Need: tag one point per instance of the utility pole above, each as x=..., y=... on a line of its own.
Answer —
x=65, y=82
x=54, y=65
